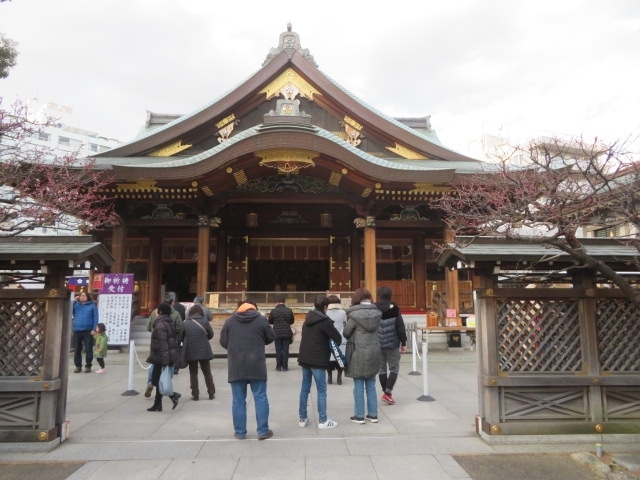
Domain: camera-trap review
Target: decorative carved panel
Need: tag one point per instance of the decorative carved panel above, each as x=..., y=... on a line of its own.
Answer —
x=544, y=404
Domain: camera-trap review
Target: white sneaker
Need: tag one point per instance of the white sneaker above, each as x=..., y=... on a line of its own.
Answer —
x=101, y=370
x=328, y=424
x=303, y=422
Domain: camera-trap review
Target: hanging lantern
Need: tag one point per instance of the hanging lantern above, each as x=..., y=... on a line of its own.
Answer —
x=325, y=220
x=252, y=219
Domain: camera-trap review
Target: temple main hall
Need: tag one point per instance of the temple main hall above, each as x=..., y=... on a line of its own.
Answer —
x=289, y=184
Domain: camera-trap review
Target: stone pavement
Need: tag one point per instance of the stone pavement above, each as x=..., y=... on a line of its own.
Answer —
x=114, y=437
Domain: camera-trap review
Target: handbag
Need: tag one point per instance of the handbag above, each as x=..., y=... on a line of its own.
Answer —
x=337, y=353
x=165, y=384
x=182, y=355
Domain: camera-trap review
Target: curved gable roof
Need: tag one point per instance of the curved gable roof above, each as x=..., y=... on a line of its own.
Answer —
x=331, y=96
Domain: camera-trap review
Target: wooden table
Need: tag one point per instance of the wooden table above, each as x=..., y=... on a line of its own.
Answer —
x=470, y=331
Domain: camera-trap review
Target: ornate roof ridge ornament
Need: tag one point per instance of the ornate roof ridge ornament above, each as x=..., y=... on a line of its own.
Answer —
x=288, y=40
x=287, y=161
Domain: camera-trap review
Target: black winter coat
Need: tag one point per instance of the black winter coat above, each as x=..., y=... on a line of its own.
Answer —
x=281, y=317
x=163, y=342
x=317, y=329
x=391, y=332
x=197, y=333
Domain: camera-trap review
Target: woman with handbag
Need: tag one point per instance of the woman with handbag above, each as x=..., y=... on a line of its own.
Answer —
x=163, y=356
x=197, y=332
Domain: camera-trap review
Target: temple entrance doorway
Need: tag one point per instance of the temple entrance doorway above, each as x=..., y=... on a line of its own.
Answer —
x=180, y=278
x=288, y=275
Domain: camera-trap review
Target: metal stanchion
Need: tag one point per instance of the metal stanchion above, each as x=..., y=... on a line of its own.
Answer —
x=414, y=351
x=132, y=352
x=425, y=382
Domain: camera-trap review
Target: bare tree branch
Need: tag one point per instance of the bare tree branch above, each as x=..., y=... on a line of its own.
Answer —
x=40, y=188
x=547, y=191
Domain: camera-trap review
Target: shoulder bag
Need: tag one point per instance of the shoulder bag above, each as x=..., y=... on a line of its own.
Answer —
x=337, y=353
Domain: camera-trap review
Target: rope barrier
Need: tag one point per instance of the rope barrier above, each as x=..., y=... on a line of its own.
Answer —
x=132, y=346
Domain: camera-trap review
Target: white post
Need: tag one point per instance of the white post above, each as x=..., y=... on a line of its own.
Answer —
x=132, y=358
x=425, y=382
x=414, y=353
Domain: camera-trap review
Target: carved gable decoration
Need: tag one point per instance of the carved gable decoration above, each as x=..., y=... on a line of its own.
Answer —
x=287, y=161
x=406, y=153
x=279, y=184
x=169, y=150
x=289, y=84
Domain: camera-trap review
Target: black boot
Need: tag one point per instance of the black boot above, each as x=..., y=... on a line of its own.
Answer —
x=383, y=380
x=339, y=376
x=156, y=407
x=174, y=398
x=329, y=377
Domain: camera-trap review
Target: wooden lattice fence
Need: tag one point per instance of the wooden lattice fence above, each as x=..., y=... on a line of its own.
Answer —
x=564, y=364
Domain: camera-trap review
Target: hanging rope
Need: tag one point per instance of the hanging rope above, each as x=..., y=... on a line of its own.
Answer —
x=135, y=351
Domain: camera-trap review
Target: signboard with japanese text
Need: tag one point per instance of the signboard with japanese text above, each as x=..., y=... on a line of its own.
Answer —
x=114, y=305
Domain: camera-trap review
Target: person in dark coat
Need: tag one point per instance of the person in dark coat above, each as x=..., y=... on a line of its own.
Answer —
x=197, y=332
x=392, y=335
x=363, y=353
x=313, y=357
x=164, y=352
x=208, y=316
x=281, y=317
x=244, y=336
x=172, y=299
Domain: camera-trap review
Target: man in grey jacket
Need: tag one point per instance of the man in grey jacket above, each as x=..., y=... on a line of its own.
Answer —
x=392, y=335
x=244, y=336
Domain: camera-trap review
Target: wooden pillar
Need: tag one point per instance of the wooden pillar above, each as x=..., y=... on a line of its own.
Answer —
x=118, y=248
x=419, y=271
x=155, y=271
x=370, y=280
x=356, y=260
x=486, y=345
x=221, y=263
x=451, y=278
x=59, y=327
x=204, y=236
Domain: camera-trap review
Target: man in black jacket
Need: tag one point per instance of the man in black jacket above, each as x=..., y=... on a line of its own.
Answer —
x=281, y=317
x=313, y=357
x=393, y=341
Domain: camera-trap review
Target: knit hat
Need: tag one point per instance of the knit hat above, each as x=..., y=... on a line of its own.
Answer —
x=246, y=306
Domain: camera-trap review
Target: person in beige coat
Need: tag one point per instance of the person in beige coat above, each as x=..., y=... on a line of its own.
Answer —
x=363, y=354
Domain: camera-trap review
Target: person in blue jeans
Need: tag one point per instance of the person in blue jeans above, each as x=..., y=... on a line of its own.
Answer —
x=244, y=336
x=363, y=354
x=84, y=323
x=313, y=357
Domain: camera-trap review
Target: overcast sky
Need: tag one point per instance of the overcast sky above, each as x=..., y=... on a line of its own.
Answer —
x=523, y=68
